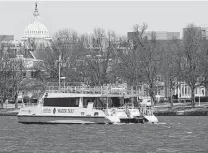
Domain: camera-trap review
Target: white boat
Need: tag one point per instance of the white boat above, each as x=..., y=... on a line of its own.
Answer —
x=81, y=105
x=62, y=108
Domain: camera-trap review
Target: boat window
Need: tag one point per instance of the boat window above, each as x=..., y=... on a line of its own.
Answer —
x=61, y=102
x=86, y=100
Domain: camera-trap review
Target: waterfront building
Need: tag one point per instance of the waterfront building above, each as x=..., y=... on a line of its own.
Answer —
x=183, y=91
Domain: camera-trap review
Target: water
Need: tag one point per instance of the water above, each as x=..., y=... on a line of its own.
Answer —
x=171, y=135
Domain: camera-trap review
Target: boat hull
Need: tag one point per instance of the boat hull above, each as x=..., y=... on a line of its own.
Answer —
x=34, y=119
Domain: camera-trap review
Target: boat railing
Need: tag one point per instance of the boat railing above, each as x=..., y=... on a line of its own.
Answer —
x=147, y=111
x=144, y=110
x=103, y=90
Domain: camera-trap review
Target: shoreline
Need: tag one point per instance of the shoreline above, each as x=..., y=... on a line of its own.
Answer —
x=8, y=112
x=176, y=112
x=181, y=113
x=185, y=110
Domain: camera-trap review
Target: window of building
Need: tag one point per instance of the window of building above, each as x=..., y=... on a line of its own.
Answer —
x=203, y=92
x=185, y=90
x=189, y=91
x=24, y=75
x=32, y=74
x=159, y=78
x=182, y=89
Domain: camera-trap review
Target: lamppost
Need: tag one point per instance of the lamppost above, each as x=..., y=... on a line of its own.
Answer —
x=59, y=62
x=62, y=41
x=59, y=66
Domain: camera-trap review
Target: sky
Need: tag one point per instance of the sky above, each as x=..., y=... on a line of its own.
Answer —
x=120, y=16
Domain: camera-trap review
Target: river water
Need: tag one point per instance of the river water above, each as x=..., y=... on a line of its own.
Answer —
x=171, y=135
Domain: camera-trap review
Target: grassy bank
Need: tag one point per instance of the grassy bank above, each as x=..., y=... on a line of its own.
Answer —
x=183, y=109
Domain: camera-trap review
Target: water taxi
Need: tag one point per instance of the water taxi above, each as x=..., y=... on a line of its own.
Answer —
x=85, y=105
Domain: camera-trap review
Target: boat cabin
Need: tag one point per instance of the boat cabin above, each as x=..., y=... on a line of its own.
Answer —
x=76, y=100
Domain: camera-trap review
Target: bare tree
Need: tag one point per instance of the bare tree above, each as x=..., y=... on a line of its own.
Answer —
x=5, y=68
x=203, y=65
x=17, y=69
x=67, y=45
x=192, y=55
x=100, y=56
x=4, y=79
x=171, y=59
x=148, y=58
x=128, y=67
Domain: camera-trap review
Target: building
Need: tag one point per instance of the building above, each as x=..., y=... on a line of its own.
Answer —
x=28, y=51
x=8, y=45
x=160, y=35
x=5, y=42
x=6, y=38
x=183, y=91
x=202, y=32
x=26, y=60
x=36, y=36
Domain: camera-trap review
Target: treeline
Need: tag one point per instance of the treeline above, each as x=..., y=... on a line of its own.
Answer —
x=102, y=57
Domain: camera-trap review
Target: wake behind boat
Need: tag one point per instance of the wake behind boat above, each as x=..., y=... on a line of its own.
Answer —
x=85, y=105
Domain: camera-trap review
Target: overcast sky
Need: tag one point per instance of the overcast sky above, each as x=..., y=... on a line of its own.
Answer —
x=119, y=16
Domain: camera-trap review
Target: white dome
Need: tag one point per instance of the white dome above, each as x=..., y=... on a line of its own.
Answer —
x=36, y=29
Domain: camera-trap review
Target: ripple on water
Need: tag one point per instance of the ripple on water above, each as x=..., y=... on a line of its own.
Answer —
x=173, y=134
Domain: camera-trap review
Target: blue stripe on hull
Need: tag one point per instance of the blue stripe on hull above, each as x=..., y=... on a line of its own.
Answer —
x=62, y=119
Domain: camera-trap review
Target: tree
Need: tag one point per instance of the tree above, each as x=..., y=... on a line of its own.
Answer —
x=17, y=70
x=203, y=65
x=192, y=55
x=69, y=47
x=171, y=59
x=148, y=58
x=4, y=79
x=99, y=57
x=5, y=68
x=127, y=66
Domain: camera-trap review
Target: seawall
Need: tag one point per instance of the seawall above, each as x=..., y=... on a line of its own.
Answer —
x=182, y=111
x=8, y=112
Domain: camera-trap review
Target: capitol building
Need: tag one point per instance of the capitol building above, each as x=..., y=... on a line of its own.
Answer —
x=36, y=32
x=35, y=39
x=31, y=48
